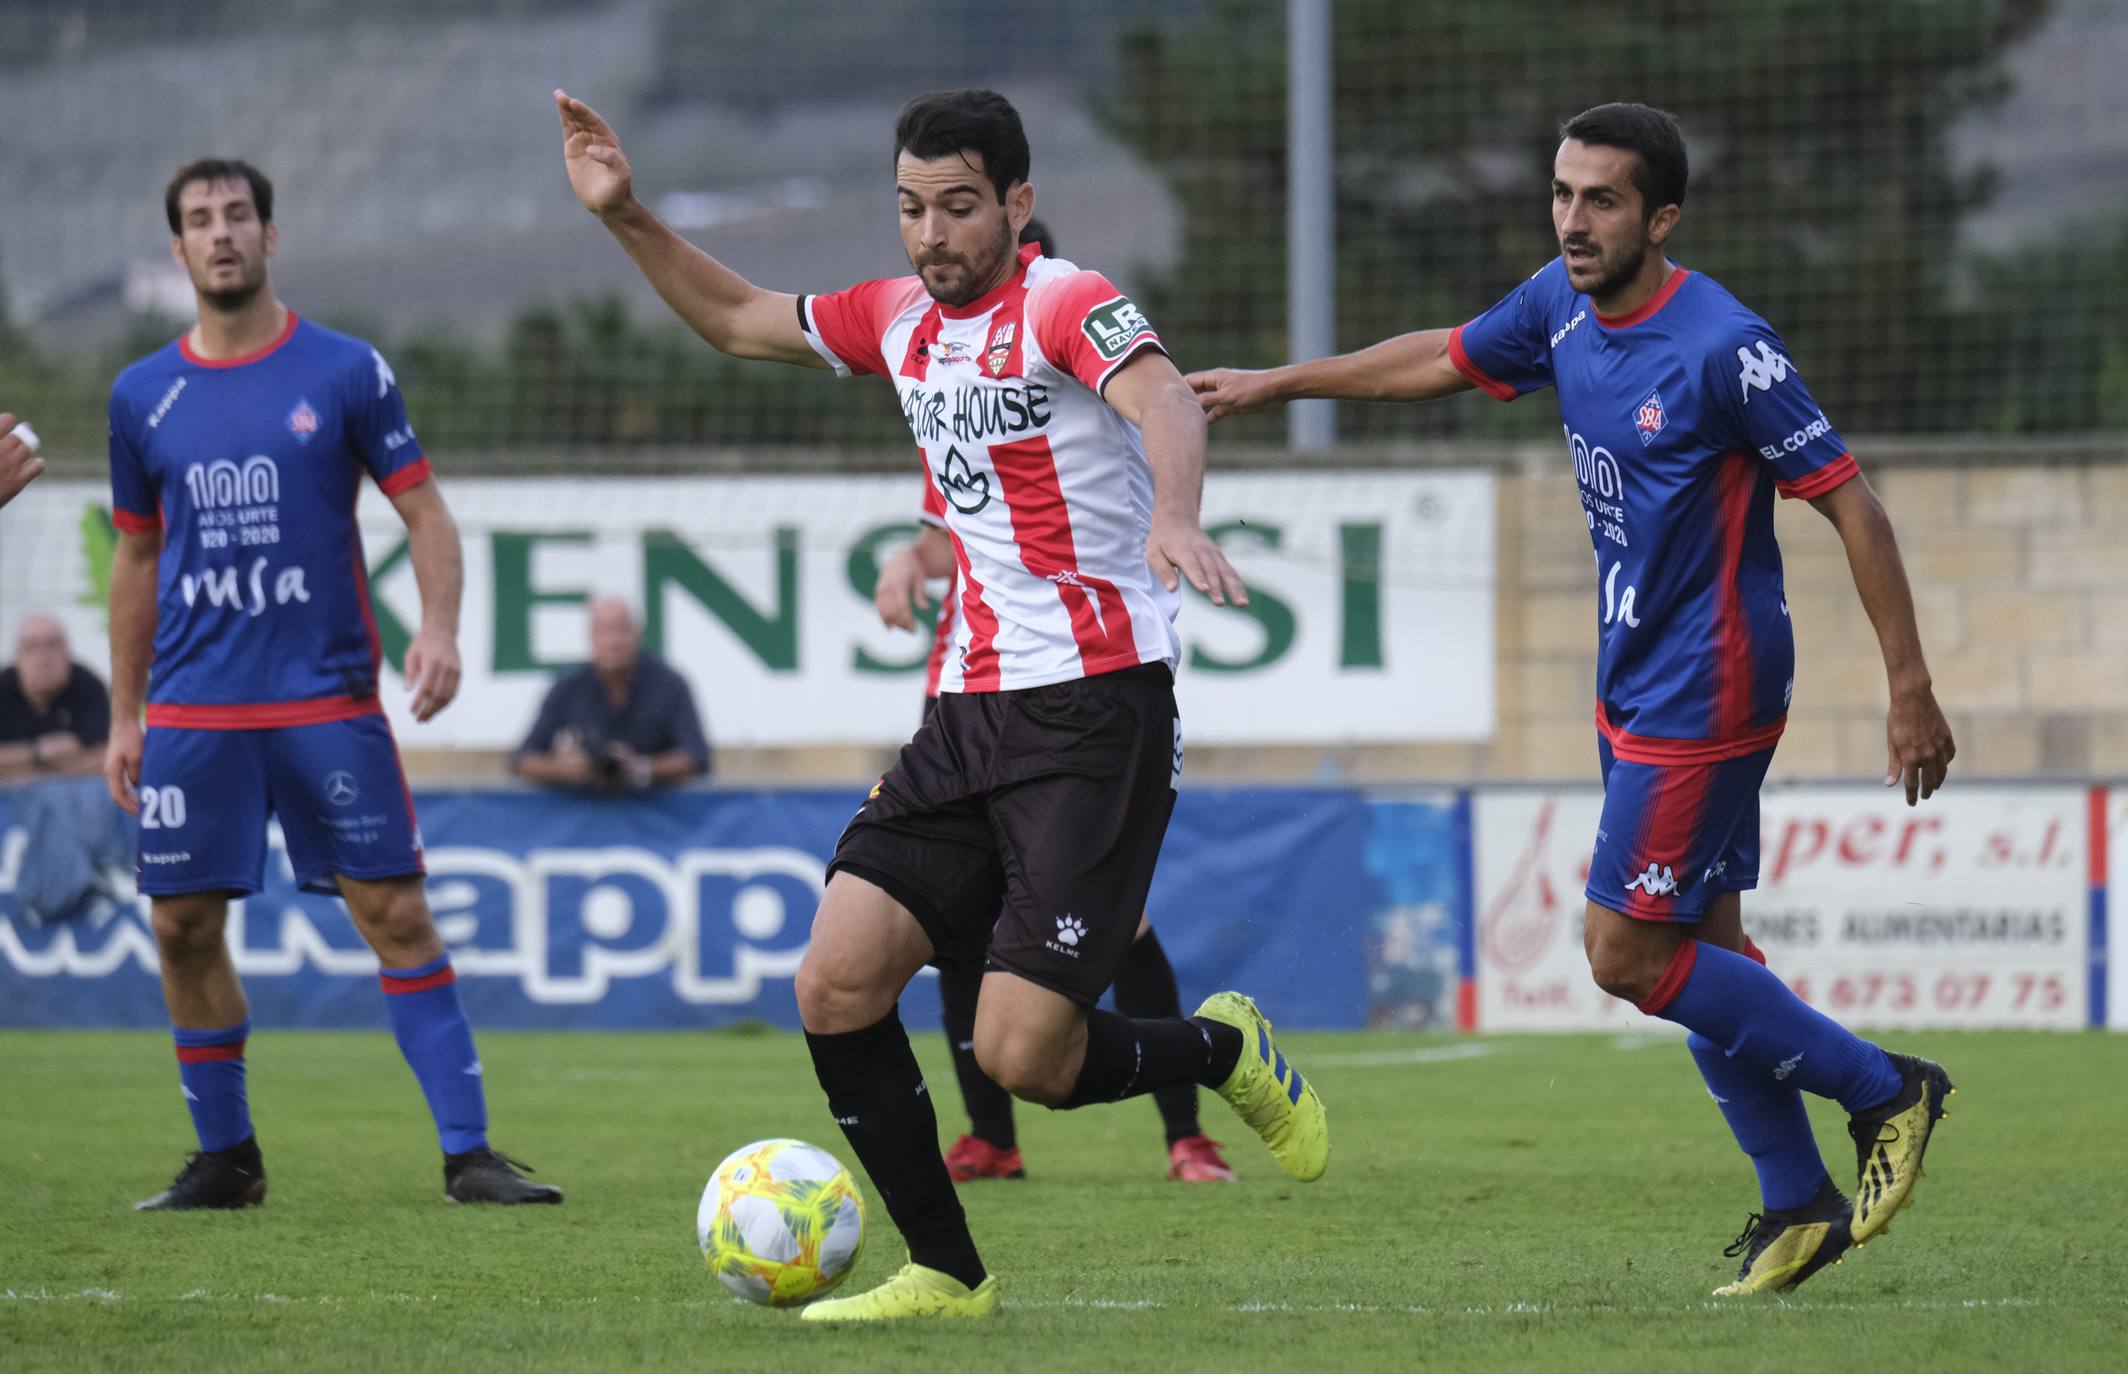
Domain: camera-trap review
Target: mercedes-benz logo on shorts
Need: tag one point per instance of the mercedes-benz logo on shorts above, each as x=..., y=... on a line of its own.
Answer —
x=340, y=787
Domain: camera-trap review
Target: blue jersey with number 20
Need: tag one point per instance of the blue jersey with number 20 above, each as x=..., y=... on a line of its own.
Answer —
x=1683, y=418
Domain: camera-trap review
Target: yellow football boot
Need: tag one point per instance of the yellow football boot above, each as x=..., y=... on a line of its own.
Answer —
x=914, y=1292
x=1783, y=1248
x=1890, y=1141
x=1269, y=1094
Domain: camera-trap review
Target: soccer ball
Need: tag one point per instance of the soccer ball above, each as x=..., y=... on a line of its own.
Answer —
x=780, y=1222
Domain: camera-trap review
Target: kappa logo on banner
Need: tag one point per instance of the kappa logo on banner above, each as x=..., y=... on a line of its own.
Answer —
x=1113, y=327
x=566, y=925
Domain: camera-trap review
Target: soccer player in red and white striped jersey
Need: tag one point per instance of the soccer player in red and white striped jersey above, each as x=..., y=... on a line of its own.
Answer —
x=1019, y=828
x=1145, y=982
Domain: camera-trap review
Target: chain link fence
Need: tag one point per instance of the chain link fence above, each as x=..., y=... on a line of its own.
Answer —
x=1929, y=198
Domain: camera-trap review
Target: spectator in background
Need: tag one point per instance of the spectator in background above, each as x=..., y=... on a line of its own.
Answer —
x=624, y=722
x=54, y=714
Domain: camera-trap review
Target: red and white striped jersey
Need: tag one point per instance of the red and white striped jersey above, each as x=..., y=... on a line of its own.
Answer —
x=942, y=634
x=1045, y=487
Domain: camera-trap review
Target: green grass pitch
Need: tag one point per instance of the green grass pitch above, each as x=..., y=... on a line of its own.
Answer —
x=1509, y=1202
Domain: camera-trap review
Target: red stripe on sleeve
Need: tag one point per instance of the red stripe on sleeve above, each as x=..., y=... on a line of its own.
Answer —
x=1474, y=374
x=406, y=478
x=1834, y=474
x=130, y=523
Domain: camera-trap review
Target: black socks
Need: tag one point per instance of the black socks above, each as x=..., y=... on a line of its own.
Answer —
x=1125, y=1057
x=878, y=1096
x=989, y=1106
x=1145, y=987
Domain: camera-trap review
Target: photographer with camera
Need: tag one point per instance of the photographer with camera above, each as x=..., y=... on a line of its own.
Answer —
x=624, y=722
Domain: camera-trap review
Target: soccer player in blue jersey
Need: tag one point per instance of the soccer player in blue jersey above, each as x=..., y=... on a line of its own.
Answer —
x=238, y=590
x=1685, y=416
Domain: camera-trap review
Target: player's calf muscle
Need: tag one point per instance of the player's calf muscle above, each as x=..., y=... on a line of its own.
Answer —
x=393, y=915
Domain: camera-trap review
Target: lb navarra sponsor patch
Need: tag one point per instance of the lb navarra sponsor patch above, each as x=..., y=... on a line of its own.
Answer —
x=1114, y=326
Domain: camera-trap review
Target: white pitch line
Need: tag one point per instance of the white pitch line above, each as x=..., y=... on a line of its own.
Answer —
x=1379, y=1059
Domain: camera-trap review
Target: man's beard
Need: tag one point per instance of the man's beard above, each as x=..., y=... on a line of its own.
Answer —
x=230, y=299
x=978, y=278
x=1618, y=276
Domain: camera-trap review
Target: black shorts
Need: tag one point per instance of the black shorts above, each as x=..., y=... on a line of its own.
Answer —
x=1024, y=826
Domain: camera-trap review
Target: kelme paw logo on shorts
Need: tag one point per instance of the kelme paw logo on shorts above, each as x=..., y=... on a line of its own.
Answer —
x=1070, y=931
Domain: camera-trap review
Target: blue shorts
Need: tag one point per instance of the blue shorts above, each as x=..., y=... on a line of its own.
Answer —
x=1675, y=836
x=337, y=788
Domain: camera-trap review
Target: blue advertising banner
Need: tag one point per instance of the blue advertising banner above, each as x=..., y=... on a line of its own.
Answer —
x=691, y=909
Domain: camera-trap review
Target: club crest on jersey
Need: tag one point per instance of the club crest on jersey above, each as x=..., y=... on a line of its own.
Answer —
x=1000, y=351
x=303, y=422
x=1649, y=419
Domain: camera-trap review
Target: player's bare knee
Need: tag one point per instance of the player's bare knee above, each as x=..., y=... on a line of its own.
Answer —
x=1621, y=967
x=836, y=996
x=188, y=930
x=1027, y=1066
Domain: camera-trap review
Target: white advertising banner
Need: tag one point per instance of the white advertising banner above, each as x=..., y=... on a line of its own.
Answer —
x=1970, y=910
x=1370, y=618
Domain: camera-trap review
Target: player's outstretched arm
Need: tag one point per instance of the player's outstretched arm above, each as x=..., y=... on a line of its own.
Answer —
x=1409, y=367
x=733, y=314
x=19, y=463
x=1149, y=393
x=1918, y=736
x=133, y=574
x=432, y=546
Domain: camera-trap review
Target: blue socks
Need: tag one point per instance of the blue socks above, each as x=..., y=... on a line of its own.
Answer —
x=429, y=1022
x=1768, y=1121
x=210, y=1064
x=1752, y=1017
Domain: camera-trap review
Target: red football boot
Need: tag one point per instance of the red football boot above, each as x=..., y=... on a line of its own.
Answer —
x=1196, y=1159
x=972, y=1158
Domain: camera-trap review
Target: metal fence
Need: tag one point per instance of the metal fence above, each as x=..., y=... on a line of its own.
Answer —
x=1929, y=198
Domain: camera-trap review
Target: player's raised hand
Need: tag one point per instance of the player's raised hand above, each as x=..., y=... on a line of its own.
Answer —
x=598, y=170
x=121, y=763
x=432, y=672
x=1921, y=745
x=1225, y=391
x=1182, y=547
x=19, y=463
x=900, y=592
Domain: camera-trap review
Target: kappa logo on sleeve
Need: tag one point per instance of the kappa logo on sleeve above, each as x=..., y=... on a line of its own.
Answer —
x=1760, y=370
x=1113, y=327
